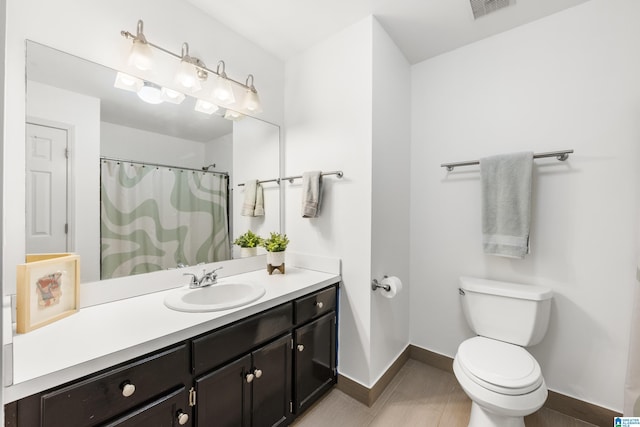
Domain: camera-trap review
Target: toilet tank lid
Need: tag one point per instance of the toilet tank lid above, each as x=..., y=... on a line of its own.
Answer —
x=506, y=289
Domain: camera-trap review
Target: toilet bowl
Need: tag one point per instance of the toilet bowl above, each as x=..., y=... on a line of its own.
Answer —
x=502, y=379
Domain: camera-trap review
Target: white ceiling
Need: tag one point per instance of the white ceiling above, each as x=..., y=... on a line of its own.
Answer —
x=421, y=28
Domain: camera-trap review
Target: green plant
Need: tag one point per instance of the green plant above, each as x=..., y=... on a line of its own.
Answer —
x=276, y=242
x=248, y=240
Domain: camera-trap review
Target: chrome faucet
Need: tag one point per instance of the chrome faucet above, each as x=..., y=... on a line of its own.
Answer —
x=207, y=279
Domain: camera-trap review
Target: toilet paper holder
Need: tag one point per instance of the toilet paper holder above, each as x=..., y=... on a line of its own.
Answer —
x=375, y=285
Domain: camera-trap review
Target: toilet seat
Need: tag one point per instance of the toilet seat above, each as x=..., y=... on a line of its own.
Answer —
x=499, y=366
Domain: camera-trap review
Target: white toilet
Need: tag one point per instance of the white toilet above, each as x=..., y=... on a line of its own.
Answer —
x=502, y=379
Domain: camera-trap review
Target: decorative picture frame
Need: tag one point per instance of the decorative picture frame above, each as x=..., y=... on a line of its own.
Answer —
x=47, y=290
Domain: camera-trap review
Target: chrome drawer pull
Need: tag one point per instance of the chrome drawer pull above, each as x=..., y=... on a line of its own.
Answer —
x=128, y=389
x=182, y=418
x=319, y=304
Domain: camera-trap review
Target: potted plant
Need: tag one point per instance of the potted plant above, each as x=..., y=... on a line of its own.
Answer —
x=275, y=245
x=248, y=243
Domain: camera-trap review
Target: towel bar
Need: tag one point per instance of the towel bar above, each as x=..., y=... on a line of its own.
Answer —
x=560, y=155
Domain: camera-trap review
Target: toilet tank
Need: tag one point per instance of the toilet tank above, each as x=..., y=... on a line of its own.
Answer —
x=511, y=312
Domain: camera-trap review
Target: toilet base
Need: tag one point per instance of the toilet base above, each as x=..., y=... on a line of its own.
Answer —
x=480, y=417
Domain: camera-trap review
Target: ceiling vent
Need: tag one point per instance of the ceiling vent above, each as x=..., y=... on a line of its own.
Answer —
x=485, y=7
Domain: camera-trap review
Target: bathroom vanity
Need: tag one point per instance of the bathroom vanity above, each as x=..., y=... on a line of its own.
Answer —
x=260, y=365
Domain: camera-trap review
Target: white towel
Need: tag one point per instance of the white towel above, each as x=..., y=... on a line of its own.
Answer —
x=311, y=193
x=259, y=209
x=249, y=203
x=506, y=204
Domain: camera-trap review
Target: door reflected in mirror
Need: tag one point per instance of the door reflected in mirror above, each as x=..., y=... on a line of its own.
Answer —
x=134, y=187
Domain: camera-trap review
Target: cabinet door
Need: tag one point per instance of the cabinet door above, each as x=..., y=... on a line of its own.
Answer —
x=223, y=396
x=272, y=385
x=315, y=360
x=169, y=411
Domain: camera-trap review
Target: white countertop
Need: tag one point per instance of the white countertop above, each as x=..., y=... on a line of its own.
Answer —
x=104, y=335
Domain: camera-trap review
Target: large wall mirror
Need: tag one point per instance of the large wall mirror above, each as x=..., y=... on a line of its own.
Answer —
x=133, y=186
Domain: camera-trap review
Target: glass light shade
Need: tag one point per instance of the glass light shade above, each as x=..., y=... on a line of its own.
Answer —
x=206, y=107
x=172, y=96
x=127, y=82
x=233, y=115
x=150, y=93
x=141, y=56
x=252, y=102
x=187, y=77
x=223, y=92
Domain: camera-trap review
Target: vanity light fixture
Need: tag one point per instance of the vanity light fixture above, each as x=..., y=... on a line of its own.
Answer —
x=206, y=107
x=151, y=93
x=192, y=73
x=127, y=82
x=251, y=100
x=223, y=92
x=147, y=91
x=140, y=55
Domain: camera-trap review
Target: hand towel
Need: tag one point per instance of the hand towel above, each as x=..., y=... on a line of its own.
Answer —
x=506, y=203
x=259, y=209
x=311, y=193
x=249, y=203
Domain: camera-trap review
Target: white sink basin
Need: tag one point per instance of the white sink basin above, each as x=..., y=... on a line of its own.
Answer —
x=221, y=296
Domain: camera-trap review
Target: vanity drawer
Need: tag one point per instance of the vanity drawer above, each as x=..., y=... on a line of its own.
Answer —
x=102, y=397
x=314, y=305
x=218, y=347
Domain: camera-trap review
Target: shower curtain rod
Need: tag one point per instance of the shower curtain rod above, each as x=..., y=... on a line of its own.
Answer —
x=339, y=174
x=560, y=155
x=159, y=165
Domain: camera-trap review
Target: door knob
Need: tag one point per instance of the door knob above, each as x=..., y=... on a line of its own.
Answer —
x=300, y=347
x=258, y=373
x=249, y=377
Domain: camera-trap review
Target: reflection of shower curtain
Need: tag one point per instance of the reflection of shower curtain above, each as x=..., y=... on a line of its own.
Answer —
x=153, y=218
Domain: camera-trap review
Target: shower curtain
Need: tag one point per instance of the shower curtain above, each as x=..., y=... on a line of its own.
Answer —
x=632, y=383
x=154, y=218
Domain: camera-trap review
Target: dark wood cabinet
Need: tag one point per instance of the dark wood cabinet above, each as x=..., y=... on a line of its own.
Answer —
x=254, y=390
x=260, y=371
x=315, y=360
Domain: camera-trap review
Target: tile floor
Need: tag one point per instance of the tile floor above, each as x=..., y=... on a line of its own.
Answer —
x=420, y=395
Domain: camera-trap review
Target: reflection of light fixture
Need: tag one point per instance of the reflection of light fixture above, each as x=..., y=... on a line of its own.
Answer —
x=192, y=74
x=223, y=92
x=251, y=100
x=206, y=107
x=151, y=93
x=233, y=115
x=172, y=96
x=127, y=82
x=190, y=71
x=140, y=55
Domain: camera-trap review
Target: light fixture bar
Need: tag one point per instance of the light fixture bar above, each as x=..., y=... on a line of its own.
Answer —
x=130, y=36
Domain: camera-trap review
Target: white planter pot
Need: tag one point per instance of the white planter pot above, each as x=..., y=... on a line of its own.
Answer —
x=275, y=258
x=248, y=252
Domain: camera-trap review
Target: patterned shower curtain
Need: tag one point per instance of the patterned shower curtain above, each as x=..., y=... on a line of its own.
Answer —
x=154, y=218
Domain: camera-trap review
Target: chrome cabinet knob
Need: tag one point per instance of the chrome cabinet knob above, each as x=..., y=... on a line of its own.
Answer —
x=319, y=304
x=249, y=377
x=300, y=347
x=258, y=373
x=128, y=389
x=182, y=418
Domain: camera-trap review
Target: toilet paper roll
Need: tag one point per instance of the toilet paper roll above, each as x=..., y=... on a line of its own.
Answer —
x=395, y=286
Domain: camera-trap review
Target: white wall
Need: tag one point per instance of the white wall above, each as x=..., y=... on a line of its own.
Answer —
x=220, y=152
x=390, y=199
x=80, y=114
x=566, y=81
x=123, y=142
x=92, y=30
x=328, y=126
